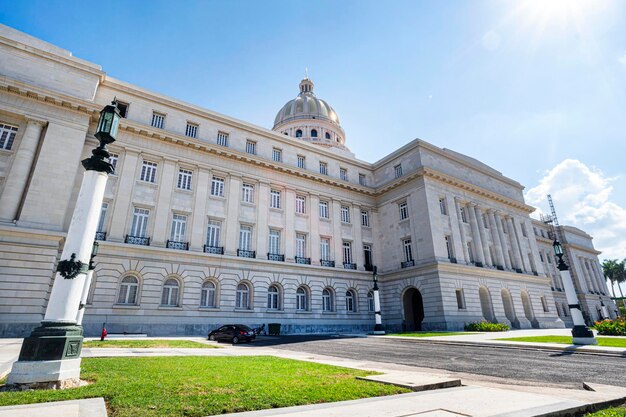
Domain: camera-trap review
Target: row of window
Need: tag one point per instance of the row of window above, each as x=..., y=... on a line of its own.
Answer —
x=7, y=136
x=170, y=296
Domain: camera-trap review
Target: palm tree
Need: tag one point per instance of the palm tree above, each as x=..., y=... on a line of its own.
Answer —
x=620, y=278
x=609, y=269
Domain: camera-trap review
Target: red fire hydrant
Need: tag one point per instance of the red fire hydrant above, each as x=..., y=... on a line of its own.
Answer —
x=103, y=334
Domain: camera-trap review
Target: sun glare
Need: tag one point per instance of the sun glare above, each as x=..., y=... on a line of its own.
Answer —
x=558, y=14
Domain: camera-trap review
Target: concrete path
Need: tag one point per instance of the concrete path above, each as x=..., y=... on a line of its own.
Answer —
x=9, y=351
x=92, y=407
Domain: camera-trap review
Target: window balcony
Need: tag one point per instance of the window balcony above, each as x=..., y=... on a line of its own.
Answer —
x=137, y=240
x=326, y=262
x=172, y=244
x=304, y=261
x=368, y=267
x=275, y=257
x=407, y=264
x=246, y=253
x=215, y=250
x=347, y=265
x=101, y=236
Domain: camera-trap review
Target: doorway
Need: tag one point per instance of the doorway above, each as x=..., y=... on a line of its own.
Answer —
x=413, y=309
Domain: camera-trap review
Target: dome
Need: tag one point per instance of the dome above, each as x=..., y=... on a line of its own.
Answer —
x=306, y=106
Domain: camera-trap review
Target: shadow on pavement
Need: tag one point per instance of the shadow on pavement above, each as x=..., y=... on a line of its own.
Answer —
x=268, y=341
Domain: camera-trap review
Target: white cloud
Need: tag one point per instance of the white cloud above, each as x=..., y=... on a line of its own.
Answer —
x=622, y=60
x=582, y=197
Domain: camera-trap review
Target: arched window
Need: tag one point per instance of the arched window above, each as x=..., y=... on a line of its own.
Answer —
x=350, y=301
x=207, y=295
x=327, y=300
x=128, y=291
x=370, y=301
x=302, y=299
x=243, y=297
x=273, y=298
x=313, y=133
x=170, y=293
x=327, y=135
x=298, y=133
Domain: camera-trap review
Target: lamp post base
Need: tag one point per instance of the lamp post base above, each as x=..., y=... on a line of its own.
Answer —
x=51, y=354
x=378, y=329
x=582, y=335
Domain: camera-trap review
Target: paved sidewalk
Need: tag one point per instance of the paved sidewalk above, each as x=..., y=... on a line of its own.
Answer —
x=9, y=351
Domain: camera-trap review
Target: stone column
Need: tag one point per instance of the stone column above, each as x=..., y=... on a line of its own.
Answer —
x=357, y=245
x=337, y=241
x=162, y=217
x=314, y=229
x=503, y=242
x=525, y=261
x=290, y=224
x=231, y=243
x=477, y=243
x=262, y=234
x=200, y=211
x=21, y=167
x=483, y=236
x=592, y=277
x=122, y=213
x=495, y=236
x=513, y=239
x=459, y=237
x=598, y=267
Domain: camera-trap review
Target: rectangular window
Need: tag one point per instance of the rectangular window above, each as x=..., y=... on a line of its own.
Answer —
x=323, y=168
x=251, y=147
x=222, y=139
x=158, y=120
x=277, y=155
x=179, y=228
x=404, y=210
x=367, y=256
x=463, y=215
x=300, y=245
x=347, y=252
x=113, y=157
x=191, y=130
x=345, y=214
x=408, y=250
x=245, y=237
x=449, y=247
x=217, y=187
x=7, y=136
x=184, y=179
x=443, y=207
x=275, y=199
x=300, y=204
x=123, y=108
x=301, y=162
x=274, y=243
x=365, y=218
x=148, y=171
x=398, y=170
x=325, y=248
x=324, y=209
x=343, y=174
x=213, y=233
x=362, y=179
x=140, y=222
x=541, y=256
x=247, y=193
x=103, y=217
x=460, y=299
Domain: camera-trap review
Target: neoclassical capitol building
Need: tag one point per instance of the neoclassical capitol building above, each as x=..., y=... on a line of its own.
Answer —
x=210, y=220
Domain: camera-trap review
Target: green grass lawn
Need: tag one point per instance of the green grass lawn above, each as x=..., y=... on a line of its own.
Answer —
x=567, y=340
x=428, y=334
x=609, y=412
x=146, y=344
x=195, y=386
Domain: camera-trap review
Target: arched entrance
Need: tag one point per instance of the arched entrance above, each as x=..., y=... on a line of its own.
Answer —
x=528, y=309
x=413, y=309
x=509, y=310
x=486, y=305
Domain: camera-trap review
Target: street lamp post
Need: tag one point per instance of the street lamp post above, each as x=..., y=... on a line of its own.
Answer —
x=581, y=334
x=378, y=328
x=50, y=356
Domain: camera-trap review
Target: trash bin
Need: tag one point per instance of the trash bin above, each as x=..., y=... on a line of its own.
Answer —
x=273, y=329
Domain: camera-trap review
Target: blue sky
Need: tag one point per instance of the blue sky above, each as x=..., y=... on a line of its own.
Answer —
x=536, y=89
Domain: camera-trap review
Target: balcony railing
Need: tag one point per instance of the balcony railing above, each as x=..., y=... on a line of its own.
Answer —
x=172, y=244
x=137, y=240
x=275, y=257
x=246, y=253
x=216, y=250
x=347, y=265
x=407, y=264
x=304, y=261
x=101, y=235
x=326, y=262
x=368, y=267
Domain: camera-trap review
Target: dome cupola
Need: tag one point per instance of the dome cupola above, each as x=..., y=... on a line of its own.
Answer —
x=311, y=119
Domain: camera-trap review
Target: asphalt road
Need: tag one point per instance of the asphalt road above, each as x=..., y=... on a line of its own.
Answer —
x=562, y=368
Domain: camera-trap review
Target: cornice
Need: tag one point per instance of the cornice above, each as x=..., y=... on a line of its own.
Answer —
x=582, y=248
x=466, y=270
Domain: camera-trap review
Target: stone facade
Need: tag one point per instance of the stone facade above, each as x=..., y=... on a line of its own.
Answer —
x=211, y=220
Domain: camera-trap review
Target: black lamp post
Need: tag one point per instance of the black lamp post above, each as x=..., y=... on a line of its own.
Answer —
x=106, y=132
x=581, y=334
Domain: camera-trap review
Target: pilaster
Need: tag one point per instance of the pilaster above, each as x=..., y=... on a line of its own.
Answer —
x=495, y=236
x=162, y=210
x=483, y=236
x=263, y=201
x=314, y=229
x=232, y=216
x=290, y=223
x=121, y=205
x=478, y=244
x=199, y=210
